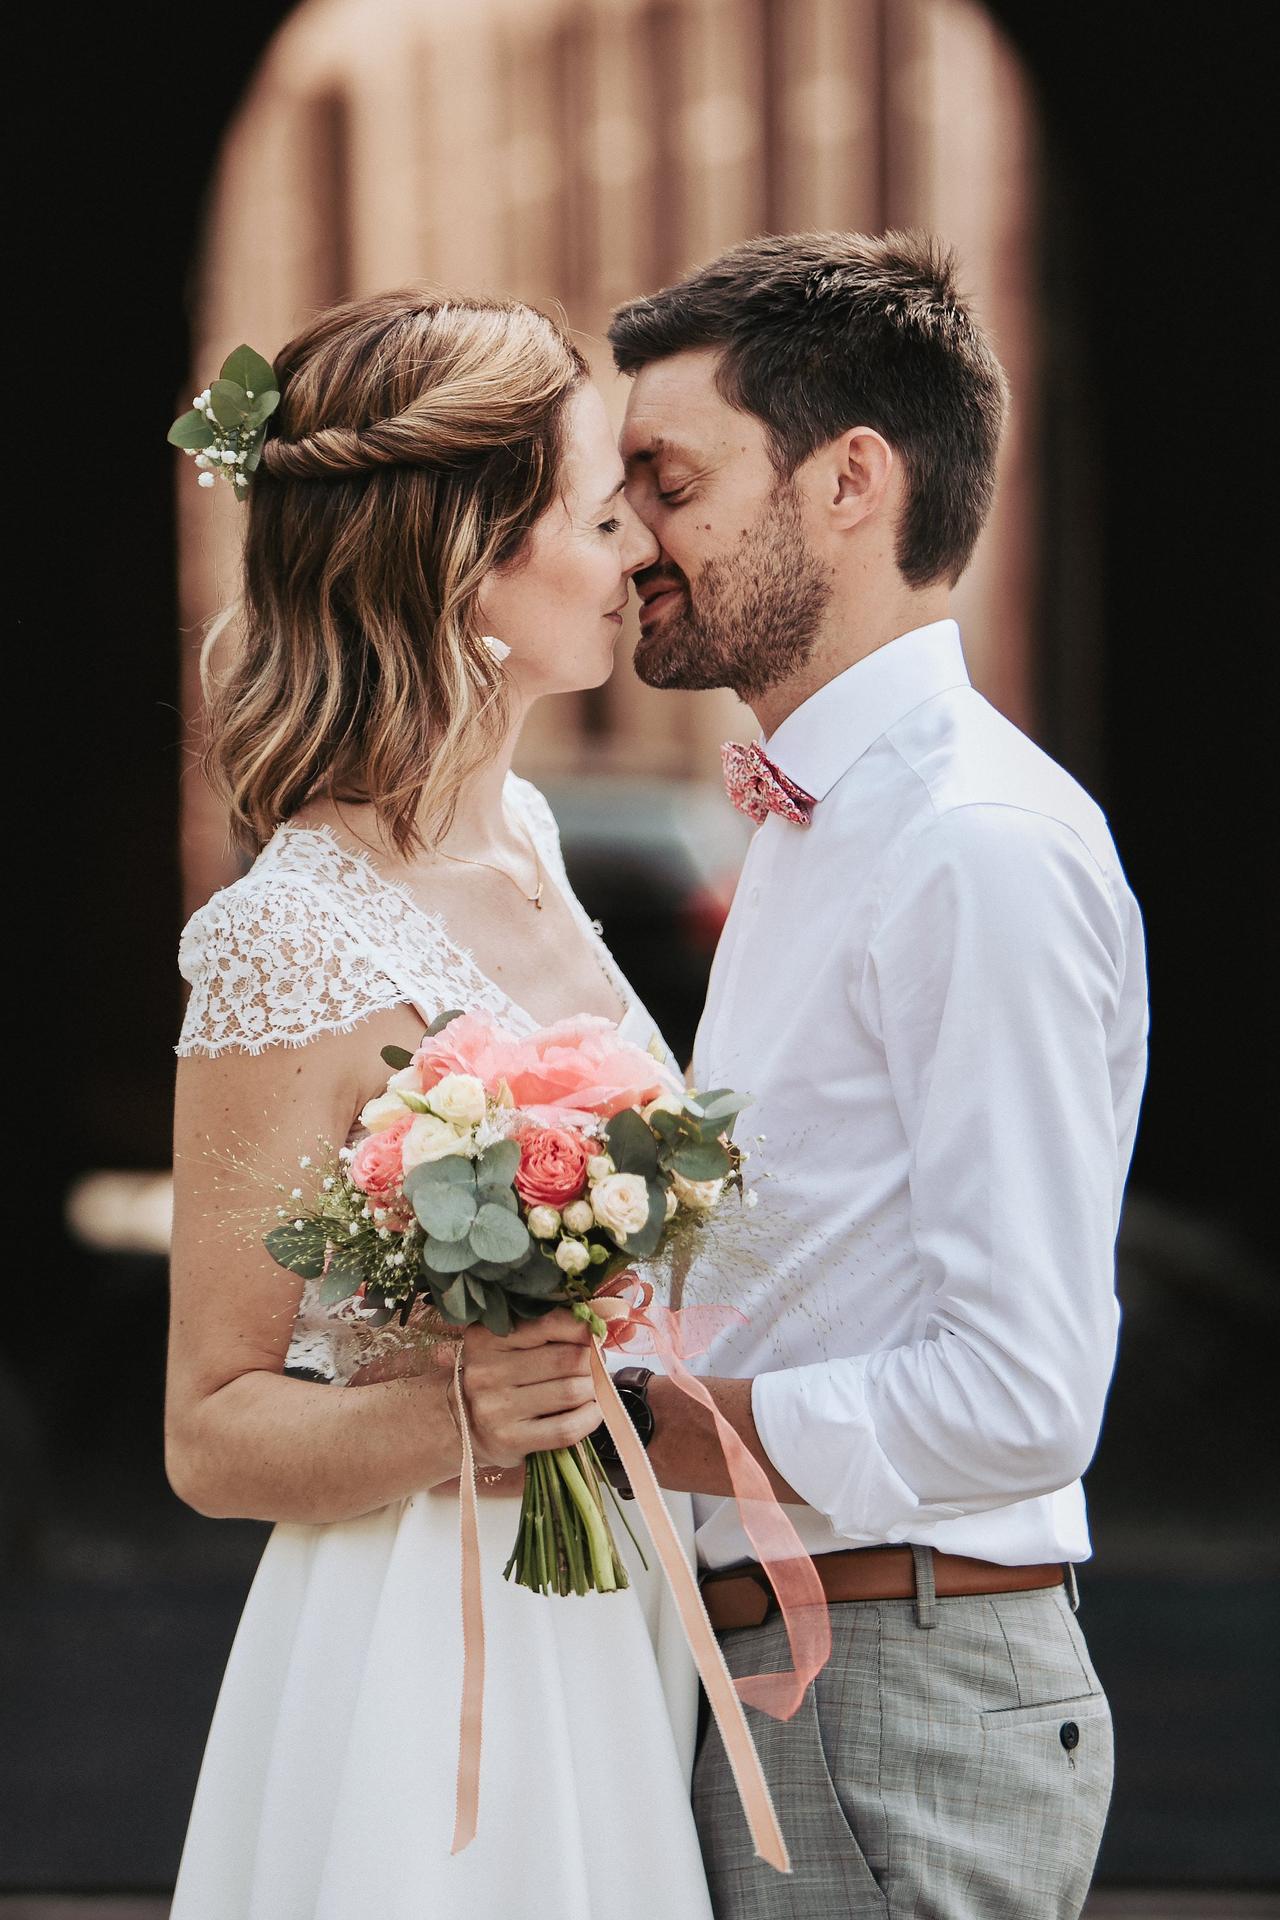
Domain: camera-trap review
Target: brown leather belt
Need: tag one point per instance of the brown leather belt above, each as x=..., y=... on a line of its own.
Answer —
x=742, y=1597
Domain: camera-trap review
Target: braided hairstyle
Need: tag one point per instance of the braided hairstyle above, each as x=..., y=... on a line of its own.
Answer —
x=418, y=440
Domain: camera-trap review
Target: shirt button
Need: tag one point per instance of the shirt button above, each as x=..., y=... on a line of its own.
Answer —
x=1069, y=1734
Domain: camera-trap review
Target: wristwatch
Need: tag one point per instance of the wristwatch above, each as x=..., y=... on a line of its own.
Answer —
x=632, y=1384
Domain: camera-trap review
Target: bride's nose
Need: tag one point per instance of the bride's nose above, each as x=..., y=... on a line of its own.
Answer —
x=639, y=548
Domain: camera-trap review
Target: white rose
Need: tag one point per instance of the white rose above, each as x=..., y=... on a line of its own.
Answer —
x=578, y=1216
x=599, y=1167
x=543, y=1222
x=572, y=1257
x=430, y=1138
x=698, y=1195
x=408, y=1089
x=665, y=1103
x=621, y=1204
x=458, y=1098
x=379, y=1113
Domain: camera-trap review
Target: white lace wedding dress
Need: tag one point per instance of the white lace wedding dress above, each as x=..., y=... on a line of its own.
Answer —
x=327, y=1789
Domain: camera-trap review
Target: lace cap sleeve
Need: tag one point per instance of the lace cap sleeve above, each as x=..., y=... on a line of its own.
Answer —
x=270, y=965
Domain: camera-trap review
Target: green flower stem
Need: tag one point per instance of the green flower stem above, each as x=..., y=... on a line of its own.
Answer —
x=603, y=1480
x=540, y=1536
x=596, y=1478
x=569, y=1533
x=600, y=1545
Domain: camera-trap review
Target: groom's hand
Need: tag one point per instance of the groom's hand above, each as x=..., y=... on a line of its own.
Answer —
x=529, y=1390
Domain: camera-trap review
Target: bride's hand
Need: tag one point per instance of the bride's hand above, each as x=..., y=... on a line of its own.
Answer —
x=529, y=1390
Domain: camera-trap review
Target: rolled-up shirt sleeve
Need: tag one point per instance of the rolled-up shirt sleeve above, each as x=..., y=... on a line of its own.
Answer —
x=991, y=981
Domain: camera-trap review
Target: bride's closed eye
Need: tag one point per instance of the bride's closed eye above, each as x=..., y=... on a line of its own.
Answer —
x=609, y=526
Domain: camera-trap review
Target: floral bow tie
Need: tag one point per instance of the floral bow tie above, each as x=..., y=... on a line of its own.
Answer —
x=758, y=788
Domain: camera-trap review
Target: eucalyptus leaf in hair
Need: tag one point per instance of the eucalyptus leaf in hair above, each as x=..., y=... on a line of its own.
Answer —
x=224, y=430
x=251, y=372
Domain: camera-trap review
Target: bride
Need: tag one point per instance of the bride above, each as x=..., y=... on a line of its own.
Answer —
x=436, y=538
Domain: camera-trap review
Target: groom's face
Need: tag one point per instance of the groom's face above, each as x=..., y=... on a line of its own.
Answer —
x=736, y=595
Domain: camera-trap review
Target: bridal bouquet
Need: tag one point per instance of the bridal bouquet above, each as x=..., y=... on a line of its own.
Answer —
x=502, y=1175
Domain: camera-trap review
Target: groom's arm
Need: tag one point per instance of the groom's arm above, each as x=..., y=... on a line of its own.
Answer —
x=685, y=1453
x=991, y=981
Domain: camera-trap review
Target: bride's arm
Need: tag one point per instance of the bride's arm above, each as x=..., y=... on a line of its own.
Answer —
x=241, y=1438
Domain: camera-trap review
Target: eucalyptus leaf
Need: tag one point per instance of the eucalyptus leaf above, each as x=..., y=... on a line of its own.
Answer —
x=707, y=1160
x=666, y=1124
x=538, y=1281
x=456, y=1304
x=491, y=1270
x=261, y=408
x=251, y=372
x=454, y=1170
x=191, y=430
x=640, y=1245
x=498, y=1164
x=253, y=458
x=228, y=403
x=339, y=1283
x=475, y=1287
x=442, y=1020
x=496, y=1313
x=722, y=1109
x=446, y=1256
x=523, y=1308
x=299, y=1249
x=397, y=1057
x=497, y=1197
x=446, y=1210
x=498, y=1235
x=632, y=1144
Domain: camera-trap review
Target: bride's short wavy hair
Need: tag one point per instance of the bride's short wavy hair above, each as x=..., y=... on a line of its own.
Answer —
x=418, y=440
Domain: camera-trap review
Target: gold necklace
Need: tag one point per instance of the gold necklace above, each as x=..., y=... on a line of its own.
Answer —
x=530, y=899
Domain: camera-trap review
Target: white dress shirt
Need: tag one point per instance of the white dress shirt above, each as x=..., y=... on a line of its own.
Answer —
x=936, y=993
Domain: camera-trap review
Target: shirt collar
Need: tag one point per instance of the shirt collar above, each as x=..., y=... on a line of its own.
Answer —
x=834, y=727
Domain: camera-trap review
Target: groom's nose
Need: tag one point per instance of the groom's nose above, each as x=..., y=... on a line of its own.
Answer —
x=639, y=548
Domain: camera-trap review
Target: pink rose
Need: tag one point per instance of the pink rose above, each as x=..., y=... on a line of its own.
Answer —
x=553, y=1166
x=471, y=1044
x=377, y=1167
x=557, y=1074
x=583, y=1066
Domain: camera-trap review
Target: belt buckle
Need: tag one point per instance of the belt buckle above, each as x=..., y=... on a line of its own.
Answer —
x=749, y=1570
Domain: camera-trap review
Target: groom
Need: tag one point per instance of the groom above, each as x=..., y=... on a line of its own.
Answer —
x=932, y=981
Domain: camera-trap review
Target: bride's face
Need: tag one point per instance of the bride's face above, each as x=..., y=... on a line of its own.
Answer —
x=559, y=606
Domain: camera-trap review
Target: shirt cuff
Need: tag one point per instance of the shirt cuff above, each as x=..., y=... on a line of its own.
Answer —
x=815, y=1426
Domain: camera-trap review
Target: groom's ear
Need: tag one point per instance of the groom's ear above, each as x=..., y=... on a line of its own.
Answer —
x=859, y=472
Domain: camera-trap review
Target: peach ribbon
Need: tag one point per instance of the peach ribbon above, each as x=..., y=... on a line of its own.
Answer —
x=470, y=1722
x=626, y=1306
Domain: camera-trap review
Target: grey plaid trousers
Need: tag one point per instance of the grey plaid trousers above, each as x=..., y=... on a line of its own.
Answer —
x=952, y=1761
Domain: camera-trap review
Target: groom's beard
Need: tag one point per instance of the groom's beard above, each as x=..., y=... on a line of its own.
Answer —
x=754, y=617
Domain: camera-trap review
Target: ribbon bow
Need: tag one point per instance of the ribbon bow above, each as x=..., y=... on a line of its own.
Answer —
x=758, y=788
x=634, y=1323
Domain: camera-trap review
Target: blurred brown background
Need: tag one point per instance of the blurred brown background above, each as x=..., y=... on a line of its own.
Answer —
x=193, y=180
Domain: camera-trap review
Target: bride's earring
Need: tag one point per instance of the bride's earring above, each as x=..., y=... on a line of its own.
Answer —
x=498, y=648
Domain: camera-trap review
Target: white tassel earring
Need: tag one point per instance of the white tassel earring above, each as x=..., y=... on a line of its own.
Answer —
x=498, y=648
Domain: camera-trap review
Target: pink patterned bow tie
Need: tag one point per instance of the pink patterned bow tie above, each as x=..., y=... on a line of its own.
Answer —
x=758, y=788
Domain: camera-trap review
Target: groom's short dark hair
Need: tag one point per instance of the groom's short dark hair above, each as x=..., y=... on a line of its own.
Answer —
x=822, y=332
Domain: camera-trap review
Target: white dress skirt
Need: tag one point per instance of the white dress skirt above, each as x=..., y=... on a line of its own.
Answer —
x=327, y=1789
x=328, y=1785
